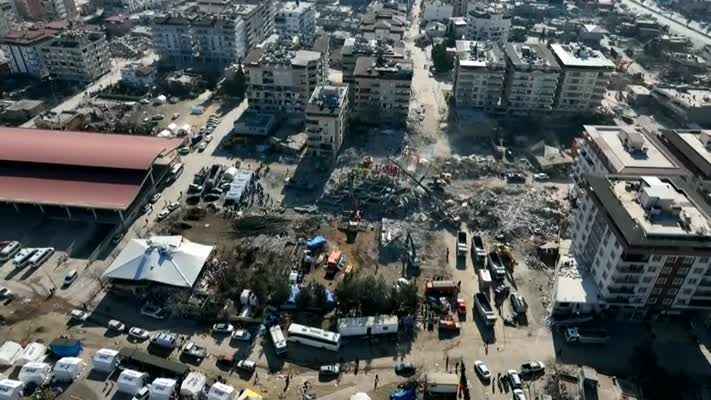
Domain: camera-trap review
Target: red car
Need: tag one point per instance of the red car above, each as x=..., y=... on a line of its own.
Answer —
x=461, y=306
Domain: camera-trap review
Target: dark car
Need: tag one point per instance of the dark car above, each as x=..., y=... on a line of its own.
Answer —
x=405, y=369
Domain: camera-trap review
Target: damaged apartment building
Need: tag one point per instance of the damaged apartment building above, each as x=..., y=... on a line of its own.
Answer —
x=326, y=120
x=211, y=34
x=381, y=90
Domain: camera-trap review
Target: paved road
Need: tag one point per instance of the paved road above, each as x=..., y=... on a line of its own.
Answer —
x=698, y=38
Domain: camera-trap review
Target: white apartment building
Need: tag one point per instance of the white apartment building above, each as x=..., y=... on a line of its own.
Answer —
x=296, y=19
x=382, y=89
x=584, y=77
x=281, y=80
x=78, y=55
x=479, y=72
x=326, y=120
x=139, y=75
x=645, y=242
x=531, y=78
x=489, y=23
x=437, y=10
x=22, y=48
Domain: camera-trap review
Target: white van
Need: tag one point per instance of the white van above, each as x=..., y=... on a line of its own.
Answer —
x=22, y=258
x=9, y=250
x=41, y=255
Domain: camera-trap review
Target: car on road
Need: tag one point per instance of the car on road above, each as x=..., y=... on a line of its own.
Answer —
x=78, y=315
x=246, y=365
x=142, y=394
x=541, y=176
x=209, y=138
x=70, y=277
x=5, y=293
x=518, y=394
x=514, y=379
x=175, y=116
x=158, y=117
x=117, y=326
x=242, y=335
x=202, y=146
x=148, y=209
x=163, y=214
x=532, y=367
x=194, y=351
x=223, y=328
x=405, y=369
x=155, y=198
x=195, y=188
x=138, y=334
x=172, y=206
x=153, y=311
x=330, y=370
x=482, y=370
x=184, y=151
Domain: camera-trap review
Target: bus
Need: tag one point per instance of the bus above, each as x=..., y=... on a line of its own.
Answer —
x=41, y=256
x=314, y=337
x=278, y=339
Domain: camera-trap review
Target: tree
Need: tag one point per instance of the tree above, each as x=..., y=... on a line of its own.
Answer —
x=441, y=60
x=236, y=86
x=451, y=35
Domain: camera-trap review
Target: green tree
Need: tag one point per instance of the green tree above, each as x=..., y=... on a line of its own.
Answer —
x=441, y=60
x=236, y=86
x=451, y=35
x=347, y=294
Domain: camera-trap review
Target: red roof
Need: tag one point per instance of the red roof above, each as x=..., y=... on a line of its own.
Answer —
x=82, y=148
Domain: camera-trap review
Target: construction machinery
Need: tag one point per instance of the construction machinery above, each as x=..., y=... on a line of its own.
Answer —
x=413, y=261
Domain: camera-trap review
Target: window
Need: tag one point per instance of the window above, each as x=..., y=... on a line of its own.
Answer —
x=677, y=281
x=656, y=291
x=704, y=260
x=692, y=281
x=667, y=302
x=698, y=270
x=687, y=291
x=651, y=269
x=652, y=300
x=647, y=279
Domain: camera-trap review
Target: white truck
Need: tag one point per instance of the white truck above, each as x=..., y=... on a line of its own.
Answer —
x=586, y=335
x=441, y=384
x=368, y=326
x=484, y=309
x=461, y=244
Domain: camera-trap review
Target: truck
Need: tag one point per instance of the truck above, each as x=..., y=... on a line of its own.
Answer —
x=485, y=311
x=441, y=383
x=496, y=266
x=478, y=250
x=484, y=279
x=441, y=288
x=368, y=326
x=586, y=335
x=461, y=244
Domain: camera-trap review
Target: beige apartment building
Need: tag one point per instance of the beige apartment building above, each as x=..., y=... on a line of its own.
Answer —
x=479, y=72
x=531, y=78
x=326, y=120
x=585, y=74
x=80, y=55
x=382, y=90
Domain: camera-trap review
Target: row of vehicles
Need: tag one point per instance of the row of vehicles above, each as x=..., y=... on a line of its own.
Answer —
x=22, y=257
x=512, y=376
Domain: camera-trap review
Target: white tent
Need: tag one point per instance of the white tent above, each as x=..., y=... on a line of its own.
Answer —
x=131, y=381
x=360, y=396
x=33, y=352
x=9, y=353
x=11, y=389
x=105, y=360
x=35, y=372
x=193, y=384
x=170, y=260
x=162, y=389
x=220, y=391
x=68, y=369
x=165, y=134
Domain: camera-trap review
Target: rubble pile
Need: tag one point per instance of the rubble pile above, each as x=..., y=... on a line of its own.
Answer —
x=469, y=167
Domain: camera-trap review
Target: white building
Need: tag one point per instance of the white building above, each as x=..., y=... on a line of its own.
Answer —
x=382, y=89
x=437, y=10
x=645, y=242
x=489, y=23
x=326, y=120
x=479, y=73
x=296, y=19
x=139, y=75
x=531, y=78
x=686, y=104
x=584, y=77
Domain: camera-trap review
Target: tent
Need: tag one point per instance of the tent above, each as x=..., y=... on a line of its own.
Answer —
x=220, y=391
x=170, y=260
x=35, y=372
x=65, y=347
x=193, y=384
x=360, y=396
x=105, y=360
x=316, y=243
x=131, y=381
x=9, y=353
x=162, y=389
x=68, y=369
x=11, y=389
x=33, y=352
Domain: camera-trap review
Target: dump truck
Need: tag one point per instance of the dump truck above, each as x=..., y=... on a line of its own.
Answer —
x=496, y=266
x=441, y=288
x=478, y=250
x=461, y=244
x=484, y=309
x=586, y=335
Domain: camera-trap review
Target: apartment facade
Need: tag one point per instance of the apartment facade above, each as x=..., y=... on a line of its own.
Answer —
x=382, y=90
x=645, y=242
x=296, y=19
x=585, y=74
x=77, y=55
x=326, y=120
x=7, y=17
x=488, y=23
x=280, y=80
x=685, y=104
x=22, y=48
x=531, y=78
x=359, y=46
x=437, y=10
x=383, y=22
x=45, y=10
x=480, y=70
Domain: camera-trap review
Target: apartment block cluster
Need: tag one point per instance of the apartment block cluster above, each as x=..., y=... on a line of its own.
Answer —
x=641, y=225
x=529, y=78
x=62, y=50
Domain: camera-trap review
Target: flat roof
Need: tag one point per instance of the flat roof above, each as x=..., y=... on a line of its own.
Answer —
x=83, y=148
x=693, y=140
x=524, y=56
x=475, y=54
x=621, y=159
x=580, y=56
x=689, y=142
x=140, y=357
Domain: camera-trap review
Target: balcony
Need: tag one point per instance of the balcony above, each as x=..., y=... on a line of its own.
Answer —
x=621, y=290
x=635, y=269
x=626, y=279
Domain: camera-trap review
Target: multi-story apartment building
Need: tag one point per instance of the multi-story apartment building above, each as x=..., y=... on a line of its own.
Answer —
x=359, y=46
x=383, y=22
x=437, y=10
x=489, y=23
x=7, y=16
x=693, y=148
x=382, y=89
x=585, y=74
x=479, y=73
x=78, y=55
x=685, y=104
x=296, y=19
x=45, y=10
x=280, y=80
x=326, y=120
x=173, y=40
x=22, y=48
x=644, y=242
x=531, y=78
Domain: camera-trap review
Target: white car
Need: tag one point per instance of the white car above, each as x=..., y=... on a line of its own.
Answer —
x=223, y=327
x=148, y=208
x=70, y=277
x=518, y=394
x=142, y=394
x=242, y=335
x=155, y=198
x=149, y=310
x=78, y=315
x=138, y=334
x=173, y=206
x=163, y=214
x=246, y=365
x=482, y=370
x=208, y=138
x=202, y=146
x=117, y=326
x=514, y=379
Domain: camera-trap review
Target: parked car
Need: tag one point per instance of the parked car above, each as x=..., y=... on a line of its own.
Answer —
x=405, y=369
x=195, y=188
x=155, y=198
x=223, y=328
x=482, y=370
x=70, y=277
x=518, y=394
x=518, y=303
x=330, y=370
x=5, y=293
x=246, y=365
x=168, y=340
x=153, y=311
x=158, y=117
x=148, y=208
x=194, y=351
x=202, y=146
x=138, y=334
x=541, y=176
x=532, y=367
x=184, y=151
x=78, y=315
x=172, y=206
x=208, y=138
x=242, y=335
x=142, y=394
x=9, y=249
x=514, y=379
x=117, y=326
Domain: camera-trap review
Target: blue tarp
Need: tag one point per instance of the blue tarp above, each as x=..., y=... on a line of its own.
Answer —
x=403, y=394
x=330, y=297
x=295, y=290
x=63, y=347
x=316, y=243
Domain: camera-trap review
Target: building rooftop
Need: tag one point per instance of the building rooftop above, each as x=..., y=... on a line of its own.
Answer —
x=361, y=46
x=280, y=53
x=473, y=54
x=379, y=67
x=687, y=97
x=693, y=146
x=33, y=34
x=580, y=56
x=530, y=57
x=295, y=7
x=627, y=150
x=327, y=99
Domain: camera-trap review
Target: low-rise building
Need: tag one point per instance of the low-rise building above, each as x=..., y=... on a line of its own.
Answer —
x=685, y=104
x=489, y=23
x=139, y=75
x=382, y=89
x=296, y=19
x=479, y=73
x=531, y=78
x=326, y=120
x=693, y=148
x=79, y=55
x=585, y=74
